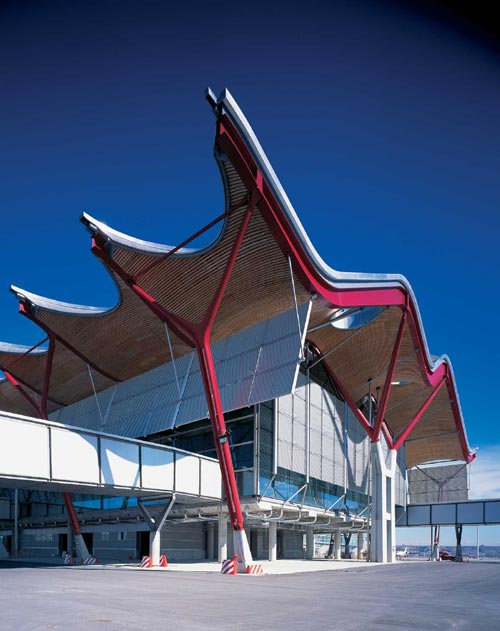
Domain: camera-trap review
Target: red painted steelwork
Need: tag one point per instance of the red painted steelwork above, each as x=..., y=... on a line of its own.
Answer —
x=198, y=335
x=178, y=325
x=26, y=310
x=70, y=509
x=231, y=143
x=387, y=435
x=208, y=320
x=13, y=381
x=382, y=403
x=344, y=392
x=404, y=435
x=221, y=438
x=23, y=355
x=173, y=251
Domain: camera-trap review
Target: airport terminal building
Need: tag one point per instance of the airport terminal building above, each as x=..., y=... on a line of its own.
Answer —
x=242, y=397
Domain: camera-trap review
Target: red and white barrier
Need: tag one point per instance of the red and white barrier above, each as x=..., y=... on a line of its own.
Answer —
x=68, y=559
x=89, y=561
x=230, y=566
x=256, y=568
x=163, y=560
x=146, y=562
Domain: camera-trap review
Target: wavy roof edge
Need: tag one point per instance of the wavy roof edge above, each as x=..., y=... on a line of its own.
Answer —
x=359, y=280
x=227, y=105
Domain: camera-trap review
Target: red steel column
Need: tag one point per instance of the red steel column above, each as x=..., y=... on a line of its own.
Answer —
x=198, y=335
x=344, y=392
x=404, y=435
x=209, y=376
x=221, y=437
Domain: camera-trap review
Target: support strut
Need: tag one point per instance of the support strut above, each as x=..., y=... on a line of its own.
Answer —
x=198, y=337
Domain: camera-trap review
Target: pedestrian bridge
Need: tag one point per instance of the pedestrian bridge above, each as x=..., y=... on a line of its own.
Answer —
x=39, y=454
x=467, y=513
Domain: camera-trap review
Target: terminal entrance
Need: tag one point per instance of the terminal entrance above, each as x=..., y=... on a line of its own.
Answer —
x=88, y=537
x=142, y=543
x=63, y=544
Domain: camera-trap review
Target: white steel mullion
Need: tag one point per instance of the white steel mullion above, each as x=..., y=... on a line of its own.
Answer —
x=296, y=306
x=173, y=359
x=95, y=394
x=183, y=388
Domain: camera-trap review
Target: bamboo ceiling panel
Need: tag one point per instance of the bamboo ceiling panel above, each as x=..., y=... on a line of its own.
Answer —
x=128, y=339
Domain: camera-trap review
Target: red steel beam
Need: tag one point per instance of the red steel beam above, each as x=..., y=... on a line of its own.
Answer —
x=25, y=308
x=213, y=309
x=404, y=435
x=230, y=142
x=179, y=326
x=382, y=403
x=173, y=251
x=387, y=435
x=20, y=388
x=344, y=392
x=209, y=377
x=221, y=438
x=198, y=335
x=70, y=509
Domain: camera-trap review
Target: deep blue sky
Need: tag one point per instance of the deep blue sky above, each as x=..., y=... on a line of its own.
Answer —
x=382, y=122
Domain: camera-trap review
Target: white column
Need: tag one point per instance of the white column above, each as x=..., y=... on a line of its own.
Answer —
x=360, y=544
x=70, y=540
x=155, y=524
x=242, y=549
x=391, y=505
x=222, y=547
x=210, y=541
x=15, y=530
x=338, y=540
x=273, y=541
x=309, y=542
x=154, y=546
x=383, y=526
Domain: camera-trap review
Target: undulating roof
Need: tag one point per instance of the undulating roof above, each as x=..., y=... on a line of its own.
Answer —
x=354, y=323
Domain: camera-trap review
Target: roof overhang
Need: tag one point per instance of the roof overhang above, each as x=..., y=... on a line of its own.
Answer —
x=277, y=269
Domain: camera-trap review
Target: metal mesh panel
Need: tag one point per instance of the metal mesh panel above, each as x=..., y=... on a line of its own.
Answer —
x=447, y=483
x=315, y=465
x=252, y=366
x=285, y=454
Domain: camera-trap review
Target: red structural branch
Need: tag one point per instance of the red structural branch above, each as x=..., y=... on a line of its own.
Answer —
x=392, y=444
x=234, y=147
x=26, y=309
x=198, y=336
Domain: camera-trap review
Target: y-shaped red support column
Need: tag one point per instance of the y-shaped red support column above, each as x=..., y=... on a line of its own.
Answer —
x=198, y=336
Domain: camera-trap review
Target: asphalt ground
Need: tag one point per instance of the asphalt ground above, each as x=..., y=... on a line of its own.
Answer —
x=421, y=596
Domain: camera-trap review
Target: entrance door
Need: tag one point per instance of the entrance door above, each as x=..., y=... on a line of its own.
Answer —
x=142, y=543
x=253, y=543
x=7, y=542
x=63, y=544
x=88, y=537
x=279, y=544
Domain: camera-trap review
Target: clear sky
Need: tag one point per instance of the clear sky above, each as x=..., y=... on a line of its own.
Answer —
x=381, y=118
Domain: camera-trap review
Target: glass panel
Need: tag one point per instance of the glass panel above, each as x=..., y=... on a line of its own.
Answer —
x=242, y=456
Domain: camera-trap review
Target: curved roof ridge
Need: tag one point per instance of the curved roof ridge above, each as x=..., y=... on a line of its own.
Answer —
x=129, y=242
x=227, y=105
x=57, y=305
x=21, y=349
